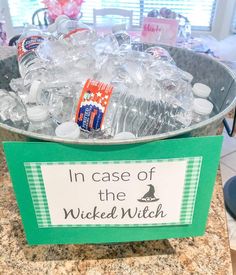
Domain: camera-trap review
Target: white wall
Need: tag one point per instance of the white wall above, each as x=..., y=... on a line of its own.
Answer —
x=223, y=18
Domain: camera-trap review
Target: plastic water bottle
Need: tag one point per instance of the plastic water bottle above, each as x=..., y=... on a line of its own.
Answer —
x=68, y=130
x=52, y=28
x=57, y=96
x=146, y=96
x=66, y=26
x=100, y=106
x=29, y=63
x=202, y=109
x=12, y=110
x=201, y=90
x=69, y=59
x=40, y=121
x=187, y=76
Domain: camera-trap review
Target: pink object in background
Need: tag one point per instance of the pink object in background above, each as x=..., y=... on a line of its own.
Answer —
x=159, y=31
x=71, y=8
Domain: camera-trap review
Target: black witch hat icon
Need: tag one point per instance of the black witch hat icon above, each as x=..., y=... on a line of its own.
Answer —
x=149, y=196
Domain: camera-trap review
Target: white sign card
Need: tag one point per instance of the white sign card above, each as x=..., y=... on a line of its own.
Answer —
x=159, y=31
x=151, y=192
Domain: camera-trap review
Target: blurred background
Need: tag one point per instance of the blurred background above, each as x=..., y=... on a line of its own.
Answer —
x=212, y=17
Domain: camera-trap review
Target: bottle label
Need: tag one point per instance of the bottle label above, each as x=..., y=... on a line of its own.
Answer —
x=28, y=44
x=93, y=104
x=75, y=31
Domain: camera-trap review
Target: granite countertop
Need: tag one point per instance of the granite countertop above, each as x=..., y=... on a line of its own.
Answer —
x=209, y=254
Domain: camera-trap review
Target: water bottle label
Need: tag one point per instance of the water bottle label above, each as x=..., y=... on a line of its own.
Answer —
x=75, y=31
x=28, y=44
x=92, y=105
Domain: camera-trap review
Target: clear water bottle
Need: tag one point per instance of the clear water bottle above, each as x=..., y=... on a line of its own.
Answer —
x=58, y=97
x=69, y=59
x=201, y=90
x=68, y=130
x=187, y=76
x=52, y=28
x=12, y=110
x=66, y=26
x=29, y=63
x=202, y=109
x=40, y=121
x=100, y=106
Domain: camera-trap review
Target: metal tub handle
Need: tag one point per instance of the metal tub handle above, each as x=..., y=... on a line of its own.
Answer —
x=229, y=131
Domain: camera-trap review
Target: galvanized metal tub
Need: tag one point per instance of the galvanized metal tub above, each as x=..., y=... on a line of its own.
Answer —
x=204, y=69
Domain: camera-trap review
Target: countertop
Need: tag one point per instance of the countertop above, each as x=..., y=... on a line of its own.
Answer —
x=209, y=254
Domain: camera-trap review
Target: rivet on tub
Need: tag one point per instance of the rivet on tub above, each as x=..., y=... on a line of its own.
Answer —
x=222, y=89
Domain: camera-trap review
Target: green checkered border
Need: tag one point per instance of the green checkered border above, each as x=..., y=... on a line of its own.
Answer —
x=38, y=193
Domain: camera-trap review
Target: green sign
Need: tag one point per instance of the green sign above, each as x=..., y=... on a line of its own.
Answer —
x=116, y=193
